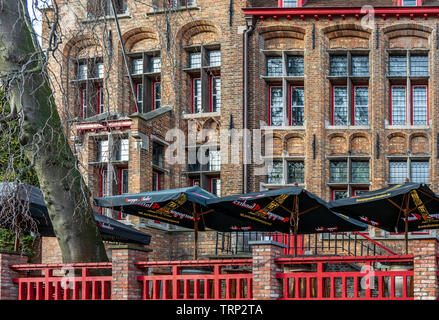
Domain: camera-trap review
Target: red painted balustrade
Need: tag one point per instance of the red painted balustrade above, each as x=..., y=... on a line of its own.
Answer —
x=347, y=278
x=64, y=281
x=197, y=280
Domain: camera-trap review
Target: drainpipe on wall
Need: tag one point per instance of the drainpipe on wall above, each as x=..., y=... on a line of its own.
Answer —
x=250, y=28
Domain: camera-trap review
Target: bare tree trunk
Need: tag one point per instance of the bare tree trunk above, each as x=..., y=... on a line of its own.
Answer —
x=43, y=139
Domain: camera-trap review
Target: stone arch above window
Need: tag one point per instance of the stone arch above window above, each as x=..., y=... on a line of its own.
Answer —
x=212, y=130
x=419, y=144
x=276, y=142
x=397, y=143
x=337, y=144
x=342, y=35
x=360, y=144
x=295, y=145
x=141, y=40
x=408, y=36
x=282, y=37
x=82, y=47
x=198, y=33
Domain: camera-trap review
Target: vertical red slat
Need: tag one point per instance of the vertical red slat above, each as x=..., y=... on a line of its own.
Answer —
x=356, y=288
x=207, y=289
x=84, y=284
x=21, y=289
x=175, y=284
x=320, y=280
x=94, y=290
x=40, y=295
x=165, y=295
x=30, y=291
x=57, y=285
x=197, y=289
x=186, y=289
x=76, y=290
x=47, y=284
x=286, y=287
x=146, y=290
x=67, y=290
x=380, y=287
x=392, y=287
x=297, y=284
x=217, y=283
x=308, y=287
x=155, y=289
x=238, y=289
x=250, y=288
x=404, y=287
x=332, y=294
x=228, y=289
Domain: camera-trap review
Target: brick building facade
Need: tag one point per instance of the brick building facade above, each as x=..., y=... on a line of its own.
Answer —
x=351, y=101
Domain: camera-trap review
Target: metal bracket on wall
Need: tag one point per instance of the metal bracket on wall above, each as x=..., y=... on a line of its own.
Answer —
x=314, y=149
x=437, y=145
x=377, y=36
x=377, y=146
x=437, y=36
x=230, y=12
x=313, y=36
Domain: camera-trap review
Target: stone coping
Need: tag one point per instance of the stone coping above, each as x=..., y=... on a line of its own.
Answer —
x=129, y=247
x=267, y=242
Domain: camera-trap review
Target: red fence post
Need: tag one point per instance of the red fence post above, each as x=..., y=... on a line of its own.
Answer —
x=265, y=284
x=425, y=253
x=124, y=285
x=8, y=289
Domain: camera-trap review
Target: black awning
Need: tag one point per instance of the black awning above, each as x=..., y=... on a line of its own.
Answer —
x=110, y=229
x=278, y=210
x=390, y=208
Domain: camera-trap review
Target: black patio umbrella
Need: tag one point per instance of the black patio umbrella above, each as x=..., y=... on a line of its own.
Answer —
x=110, y=229
x=401, y=208
x=289, y=210
x=184, y=207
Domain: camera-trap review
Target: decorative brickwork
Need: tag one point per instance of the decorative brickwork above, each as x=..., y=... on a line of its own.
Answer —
x=9, y=290
x=124, y=284
x=265, y=284
x=426, y=254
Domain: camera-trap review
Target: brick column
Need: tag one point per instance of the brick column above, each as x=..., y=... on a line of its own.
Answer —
x=265, y=284
x=124, y=283
x=8, y=289
x=425, y=252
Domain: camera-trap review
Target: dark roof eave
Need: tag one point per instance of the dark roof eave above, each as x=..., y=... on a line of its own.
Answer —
x=307, y=11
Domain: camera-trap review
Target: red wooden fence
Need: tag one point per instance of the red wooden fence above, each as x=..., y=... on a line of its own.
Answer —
x=368, y=284
x=62, y=282
x=197, y=280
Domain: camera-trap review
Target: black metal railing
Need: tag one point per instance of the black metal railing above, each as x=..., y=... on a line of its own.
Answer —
x=343, y=244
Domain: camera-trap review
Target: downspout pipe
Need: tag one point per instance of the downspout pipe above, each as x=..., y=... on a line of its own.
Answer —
x=250, y=28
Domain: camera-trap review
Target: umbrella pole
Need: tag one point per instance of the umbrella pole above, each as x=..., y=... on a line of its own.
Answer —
x=406, y=214
x=296, y=222
x=195, y=232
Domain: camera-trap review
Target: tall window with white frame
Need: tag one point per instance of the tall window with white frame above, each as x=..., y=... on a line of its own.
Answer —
x=349, y=77
x=204, y=71
x=285, y=72
x=146, y=70
x=89, y=85
x=408, y=77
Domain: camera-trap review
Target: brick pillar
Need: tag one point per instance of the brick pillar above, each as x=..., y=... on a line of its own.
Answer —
x=8, y=289
x=124, y=283
x=265, y=284
x=425, y=252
